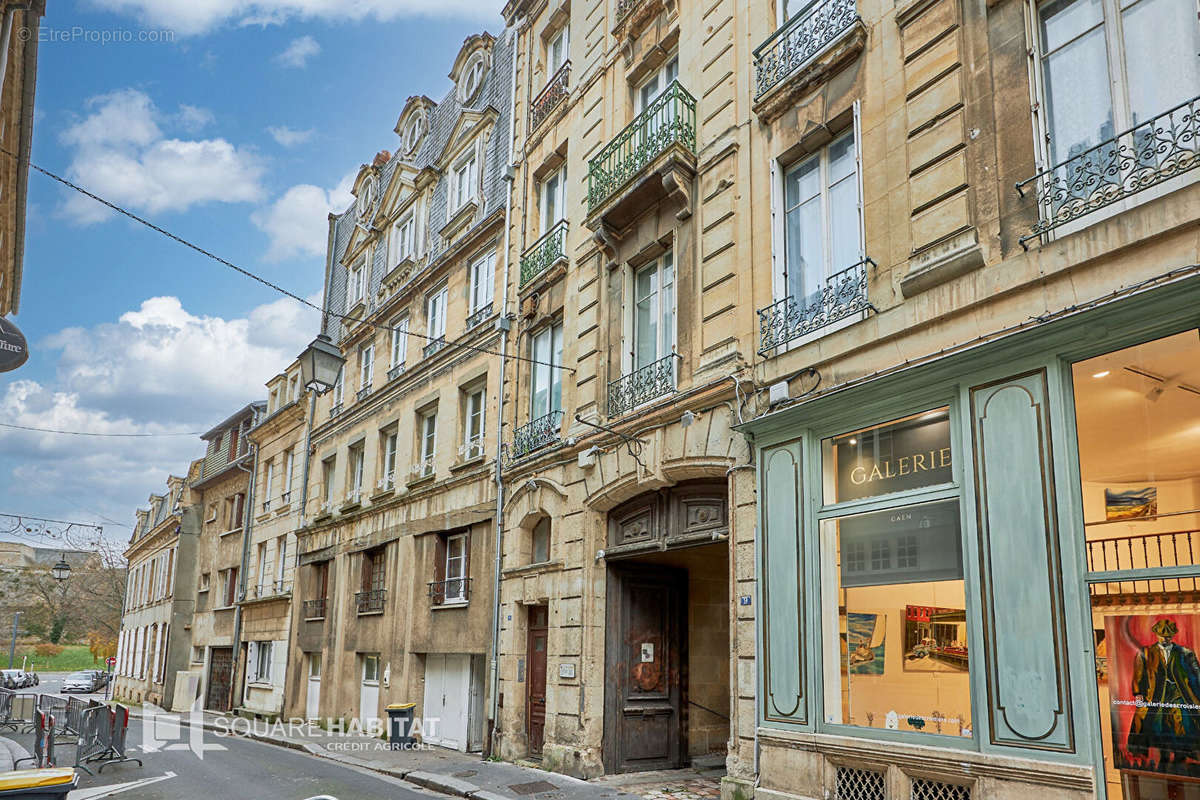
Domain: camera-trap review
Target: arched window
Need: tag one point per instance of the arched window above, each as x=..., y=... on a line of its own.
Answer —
x=472, y=77
x=539, y=542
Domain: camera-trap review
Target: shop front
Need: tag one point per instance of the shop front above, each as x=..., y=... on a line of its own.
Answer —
x=978, y=577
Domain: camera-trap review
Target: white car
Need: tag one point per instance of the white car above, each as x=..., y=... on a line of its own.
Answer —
x=80, y=682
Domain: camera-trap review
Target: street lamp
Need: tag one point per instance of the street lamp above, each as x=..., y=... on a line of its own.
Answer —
x=62, y=570
x=320, y=364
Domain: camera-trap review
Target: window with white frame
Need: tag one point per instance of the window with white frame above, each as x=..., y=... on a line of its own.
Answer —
x=399, y=351
x=366, y=366
x=262, y=662
x=552, y=198
x=472, y=77
x=1102, y=65
x=455, y=587
x=356, y=283
x=474, y=414
x=261, y=558
x=545, y=394
x=426, y=442
x=822, y=228
x=463, y=179
x=387, y=446
x=653, y=311
x=293, y=388
x=328, y=467
x=269, y=485
x=435, y=314
x=280, y=561
x=483, y=283
x=288, y=465
x=656, y=84
x=402, y=238
x=357, y=462
x=556, y=52
x=339, y=387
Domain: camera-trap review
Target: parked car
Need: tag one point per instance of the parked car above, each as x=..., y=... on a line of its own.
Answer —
x=102, y=677
x=8, y=681
x=20, y=678
x=83, y=681
x=33, y=676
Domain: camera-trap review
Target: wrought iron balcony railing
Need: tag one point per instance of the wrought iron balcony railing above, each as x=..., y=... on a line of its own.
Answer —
x=434, y=346
x=362, y=393
x=1143, y=156
x=370, y=602
x=422, y=469
x=480, y=315
x=536, y=434
x=642, y=385
x=554, y=93
x=452, y=590
x=335, y=410
x=801, y=39
x=545, y=252
x=286, y=497
x=844, y=294
x=314, y=609
x=669, y=119
x=266, y=505
x=396, y=371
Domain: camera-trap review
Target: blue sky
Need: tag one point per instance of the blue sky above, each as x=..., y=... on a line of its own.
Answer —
x=241, y=135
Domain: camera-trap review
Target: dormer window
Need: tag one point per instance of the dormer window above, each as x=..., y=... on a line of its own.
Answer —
x=411, y=133
x=402, y=239
x=463, y=180
x=472, y=77
x=356, y=284
x=364, y=200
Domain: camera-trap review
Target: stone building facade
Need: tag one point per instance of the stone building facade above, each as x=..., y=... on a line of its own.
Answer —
x=153, y=643
x=394, y=583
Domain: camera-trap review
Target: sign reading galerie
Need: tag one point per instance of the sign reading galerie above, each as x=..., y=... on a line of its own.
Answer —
x=906, y=454
x=14, y=350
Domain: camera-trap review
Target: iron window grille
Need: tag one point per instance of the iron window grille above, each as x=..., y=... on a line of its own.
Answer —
x=1138, y=158
x=370, y=602
x=549, y=98
x=545, y=252
x=395, y=372
x=314, y=609
x=642, y=385
x=800, y=40
x=362, y=393
x=434, y=346
x=843, y=295
x=479, y=316
x=423, y=468
x=859, y=784
x=451, y=590
x=335, y=410
x=623, y=10
x=923, y=789
x=536, y=434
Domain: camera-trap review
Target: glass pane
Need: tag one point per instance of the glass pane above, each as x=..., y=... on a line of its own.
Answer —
x=897, y=456
x=805, y=254
x=645, y=334
x=539, y=394
x=541, y=541
x=1137, y=416
x=1079, y=106
x=668, y=306
x=556, y=341
x=803, y=182
x=894, y=620
x=1063, y=20
x=1148, y=682
x=1159, y=33
x=843, y=223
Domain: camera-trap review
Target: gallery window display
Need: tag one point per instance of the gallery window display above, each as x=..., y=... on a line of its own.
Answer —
x=1138, y=425
x=894, y=612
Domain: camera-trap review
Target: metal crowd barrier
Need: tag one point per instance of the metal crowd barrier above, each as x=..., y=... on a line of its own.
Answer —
x=114, y=752
x=95, y=734
x=43, y=741
x=100, y=731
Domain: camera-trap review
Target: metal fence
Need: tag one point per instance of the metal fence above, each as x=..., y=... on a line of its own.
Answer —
x=99, y=730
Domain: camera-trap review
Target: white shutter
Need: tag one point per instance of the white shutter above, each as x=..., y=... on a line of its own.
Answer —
x=278, y=664
x=156, y=668
x=252, y=661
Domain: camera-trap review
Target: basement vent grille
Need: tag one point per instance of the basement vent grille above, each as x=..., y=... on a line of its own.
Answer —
x=935, y=790
x=859, y=784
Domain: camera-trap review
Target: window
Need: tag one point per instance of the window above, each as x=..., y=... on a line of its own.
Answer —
x=262, y=662
x=822, y=227
x=540, y=541
x=892, y=590
x=474, y=411
x=273, y=401
x=229, y=589
x=233, y=443
x=399, y=351
x=387, y=446
x=366, y=367
x=435, y=314
x=413, y=128
x=234, y=508
x=483, y=283
x=552, y=199
x=372, y=571
x=472, y=77
x=327, y=475
x=370, y=668
x=556, y=52
x=339, y=388
x=197, y=654
x=211, y=516
x=463, y=178
x=280, y=561
x=656, y=84
x=288, y=466
x=321, y=580
x=356, y=284
x=262, y=567
x=1103, y=64
x=545, y=396
x=452, y=566
x=269, y=485
x=204, y=582
x=426, y=443
x=653, y=311
x=293, y=388
x=401, y=242
x=357, y=461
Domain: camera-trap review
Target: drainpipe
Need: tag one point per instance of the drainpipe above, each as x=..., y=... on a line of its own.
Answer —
x=494, y=679
x=247, y=525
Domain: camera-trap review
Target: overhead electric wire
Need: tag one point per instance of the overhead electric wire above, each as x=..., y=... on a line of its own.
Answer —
x=273, y=286
x=89, y=433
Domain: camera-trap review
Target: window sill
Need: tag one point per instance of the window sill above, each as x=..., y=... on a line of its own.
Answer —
x=378, y=613
x=260, y=685
x=470, y=462
x=451, y=604
x=283, y=509
x=536, y=567
x=224, y=608
x=263, y=517
x=202, y=590
x=349, y=506
x=416, y=482
x=383, y=494
x=231, y=532
x=314, y=619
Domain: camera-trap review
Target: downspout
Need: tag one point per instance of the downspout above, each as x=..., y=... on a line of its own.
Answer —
x=247, y=525
x=494, y=679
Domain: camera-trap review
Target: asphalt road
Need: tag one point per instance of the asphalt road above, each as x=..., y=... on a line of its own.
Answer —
x=243, y=769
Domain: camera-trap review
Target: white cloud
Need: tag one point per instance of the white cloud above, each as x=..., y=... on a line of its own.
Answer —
x=193, y=118
x=187, y=17
x=122, y=154
x=297, y=54
x=297, y=223
x=289, y=137
x=159, y=368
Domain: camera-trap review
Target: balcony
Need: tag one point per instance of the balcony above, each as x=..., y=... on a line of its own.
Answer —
x=396, y=371
x=471, y=449
x=1143, y=156
x=452, y=590
x=642, y=385
x=555, y=92
x=362, y=394
x=479, y=316
x=422, y=469
x=314, y=609
x=842, y=296
x=536, y=434
x=266, y=506
x=800, y=42
x=1142, y=551
x=370, y=602
x=334, y=410
x=667, y=125
x=545, y=253
x=260, y=591
x=433, y=347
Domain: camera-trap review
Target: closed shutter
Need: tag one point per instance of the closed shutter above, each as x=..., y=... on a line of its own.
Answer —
x=252, y=661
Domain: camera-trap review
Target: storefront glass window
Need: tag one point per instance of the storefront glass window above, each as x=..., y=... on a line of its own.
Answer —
x=895, y=620
x=1137, y=413
x=897, y=456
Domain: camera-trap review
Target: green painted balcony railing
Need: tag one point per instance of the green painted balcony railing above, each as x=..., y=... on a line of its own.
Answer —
x=544, y=252
x=670, y=119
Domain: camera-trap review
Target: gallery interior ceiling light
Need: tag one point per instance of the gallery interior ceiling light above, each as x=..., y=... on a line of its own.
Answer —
x=1101, y=374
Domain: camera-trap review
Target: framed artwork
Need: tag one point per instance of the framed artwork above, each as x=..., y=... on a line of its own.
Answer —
x=864, y=643
x=935, y=639
x=1130, y=503
x=1154, y=693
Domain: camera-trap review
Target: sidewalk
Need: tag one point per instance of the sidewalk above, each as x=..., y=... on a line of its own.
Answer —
x=448, y=771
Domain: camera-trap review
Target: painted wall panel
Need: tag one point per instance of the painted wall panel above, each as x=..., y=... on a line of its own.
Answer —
x=782, y=687
x=1021, y=568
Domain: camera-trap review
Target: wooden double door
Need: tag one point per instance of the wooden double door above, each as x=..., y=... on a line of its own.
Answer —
x=645, y=668
x=220, y=679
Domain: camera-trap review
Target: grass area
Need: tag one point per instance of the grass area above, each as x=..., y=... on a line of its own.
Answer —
x=73, y=657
